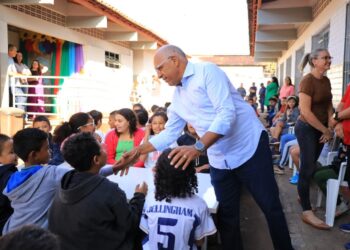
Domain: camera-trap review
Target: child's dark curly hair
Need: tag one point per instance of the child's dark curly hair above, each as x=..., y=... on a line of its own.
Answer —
x=27, y=140
x=171, y=182
x=80, y=150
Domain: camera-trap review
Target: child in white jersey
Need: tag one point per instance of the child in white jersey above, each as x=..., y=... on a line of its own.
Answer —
x=175, y=218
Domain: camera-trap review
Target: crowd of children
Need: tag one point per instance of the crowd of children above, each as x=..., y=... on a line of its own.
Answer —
x=61, y=187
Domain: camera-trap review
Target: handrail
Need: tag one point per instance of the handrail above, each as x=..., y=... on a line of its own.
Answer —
x=54, y=77
x=74, y=84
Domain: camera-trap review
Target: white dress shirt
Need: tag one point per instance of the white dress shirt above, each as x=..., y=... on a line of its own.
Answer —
x=209, y=102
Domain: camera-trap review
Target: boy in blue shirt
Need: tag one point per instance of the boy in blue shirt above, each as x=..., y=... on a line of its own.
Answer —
x=32, y=189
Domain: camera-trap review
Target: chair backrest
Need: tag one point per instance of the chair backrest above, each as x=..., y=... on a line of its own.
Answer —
x=330, y=157
x=342, y=171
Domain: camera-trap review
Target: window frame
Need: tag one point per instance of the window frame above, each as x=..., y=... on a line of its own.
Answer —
x=112, y=60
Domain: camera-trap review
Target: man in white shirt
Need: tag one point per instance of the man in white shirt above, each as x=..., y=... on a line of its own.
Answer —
x=235, y=140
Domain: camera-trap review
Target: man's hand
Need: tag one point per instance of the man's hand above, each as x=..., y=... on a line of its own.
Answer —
x=339, y=130
x=126, y=161
x=183, y=156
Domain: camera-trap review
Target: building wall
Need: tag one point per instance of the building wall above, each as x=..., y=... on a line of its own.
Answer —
x=112, y=85
x=333, y=15
x=150, y=91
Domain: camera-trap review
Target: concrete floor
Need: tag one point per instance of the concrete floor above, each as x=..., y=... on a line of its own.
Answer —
x=255, y=232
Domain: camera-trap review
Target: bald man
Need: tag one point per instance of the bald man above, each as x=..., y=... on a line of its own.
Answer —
x=235, y=140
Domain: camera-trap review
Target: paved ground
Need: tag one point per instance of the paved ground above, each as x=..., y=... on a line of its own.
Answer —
x=255, y=232
x=304, y=237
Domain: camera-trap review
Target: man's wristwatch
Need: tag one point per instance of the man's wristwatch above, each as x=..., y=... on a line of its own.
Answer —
x=199, y=146
x=335, y=116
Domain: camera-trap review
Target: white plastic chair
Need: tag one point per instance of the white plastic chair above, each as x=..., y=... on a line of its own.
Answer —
x=330, y=157
x=332, y=194
x=290, y=161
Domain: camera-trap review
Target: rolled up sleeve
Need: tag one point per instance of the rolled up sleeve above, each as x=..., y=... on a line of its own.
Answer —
x=219, y=93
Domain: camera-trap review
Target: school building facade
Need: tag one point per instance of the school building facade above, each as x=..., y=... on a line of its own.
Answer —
x=284, y=31
x=115, y=53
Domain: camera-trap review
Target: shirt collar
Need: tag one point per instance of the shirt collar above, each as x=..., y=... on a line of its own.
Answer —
x=189, y=71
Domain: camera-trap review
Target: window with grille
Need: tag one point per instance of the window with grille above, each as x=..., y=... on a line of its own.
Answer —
x=112, y=60
x=321, y=39
x=346, y=76
x=299, y=54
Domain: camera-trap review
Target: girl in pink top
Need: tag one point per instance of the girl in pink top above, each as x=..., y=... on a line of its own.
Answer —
x=287, y=89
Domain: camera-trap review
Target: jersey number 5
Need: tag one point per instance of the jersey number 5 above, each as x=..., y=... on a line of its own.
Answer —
x=166, y=222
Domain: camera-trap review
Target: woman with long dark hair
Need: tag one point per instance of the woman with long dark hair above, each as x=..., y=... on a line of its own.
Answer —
x=125, y=137
x=312, y=128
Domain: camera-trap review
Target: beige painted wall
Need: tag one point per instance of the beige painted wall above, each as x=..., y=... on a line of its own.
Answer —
x=333, y=15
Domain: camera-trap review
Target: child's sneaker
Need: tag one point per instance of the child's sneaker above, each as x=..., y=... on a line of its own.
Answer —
x=294, y=180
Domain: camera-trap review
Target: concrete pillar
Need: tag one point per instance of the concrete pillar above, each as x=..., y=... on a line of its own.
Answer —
x=4, y=87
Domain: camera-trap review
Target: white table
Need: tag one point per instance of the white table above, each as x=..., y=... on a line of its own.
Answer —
x=137, y=175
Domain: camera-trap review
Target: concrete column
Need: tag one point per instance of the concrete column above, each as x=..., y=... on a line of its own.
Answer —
x=4, y=87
